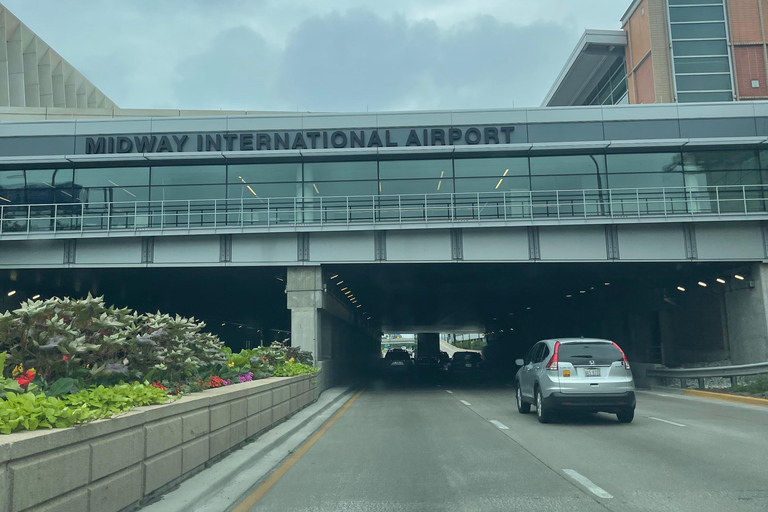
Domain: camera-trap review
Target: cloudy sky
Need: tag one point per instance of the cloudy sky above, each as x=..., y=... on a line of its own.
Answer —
x=312, y=55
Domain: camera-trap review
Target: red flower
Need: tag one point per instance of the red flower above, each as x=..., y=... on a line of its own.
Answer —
x=65, y=358
x=25, y=378
x=264, y=358
x=158, y=385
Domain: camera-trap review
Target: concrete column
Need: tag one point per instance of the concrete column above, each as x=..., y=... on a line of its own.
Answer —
x=304, y=287
x=746, y=305
x=57, y=82
x=45, y=77
x=31, y=71
x=5, y=99
x=70, y=85
x=16, y=68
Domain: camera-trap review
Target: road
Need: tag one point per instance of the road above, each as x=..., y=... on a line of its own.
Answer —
x=466, y=448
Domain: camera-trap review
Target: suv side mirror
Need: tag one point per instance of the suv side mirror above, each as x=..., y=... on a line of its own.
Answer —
x=519, y=362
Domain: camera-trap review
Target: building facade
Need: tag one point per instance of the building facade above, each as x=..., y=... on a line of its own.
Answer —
x=673, y=51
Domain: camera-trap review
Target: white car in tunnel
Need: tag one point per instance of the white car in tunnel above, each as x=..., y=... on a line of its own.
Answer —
x=575, y=374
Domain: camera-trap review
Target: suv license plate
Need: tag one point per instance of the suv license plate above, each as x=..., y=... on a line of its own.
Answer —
x=591, y=373
x=468, y=365
x=398, y=363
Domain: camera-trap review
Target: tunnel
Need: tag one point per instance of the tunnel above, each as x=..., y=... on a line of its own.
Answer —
x=659, y=313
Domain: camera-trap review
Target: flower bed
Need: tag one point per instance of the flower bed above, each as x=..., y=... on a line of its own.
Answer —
x=65, y=361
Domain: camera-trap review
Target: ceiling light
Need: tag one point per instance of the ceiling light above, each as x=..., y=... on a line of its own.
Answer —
x=12, y=293
x=528, y=308
x=569, y=296
x=359, y=305
x=223, y=324
x=344, y=289
x=607, y=284
x=35, y=297
x=347, y=292
x=369, y=318
x=334, y=277
x=681, y=288
x=499, y=184
x=317, y=191
x=6, y=200
x=720, y=280
x=582, y=291
x=239, y=326
x=740, y=278
x=506, y=172
x=252, y=192
x=340, y=282
x=702, y=283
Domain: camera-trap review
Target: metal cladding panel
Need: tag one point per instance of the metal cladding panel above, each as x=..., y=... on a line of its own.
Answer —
x=265, y=248
x=340, y=121
x=342, y=247
x=496, y=244
x=396, y=119
x=510, y=117
x=189, y=124
x=32, y=253
x=573, y=243
x=730, y=241
x=116, y=126
x=187, y=249
x=652, y=242
x=109, y=251
x=31, y=146
x=426, y=245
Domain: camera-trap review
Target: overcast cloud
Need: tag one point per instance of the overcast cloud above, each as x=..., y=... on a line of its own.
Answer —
x=339, y=55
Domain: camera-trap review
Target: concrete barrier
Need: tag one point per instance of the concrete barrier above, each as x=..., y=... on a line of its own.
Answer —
x=111, y=465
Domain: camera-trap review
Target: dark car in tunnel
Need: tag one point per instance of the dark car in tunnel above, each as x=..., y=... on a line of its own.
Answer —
x=466, y=363
x=397, y=361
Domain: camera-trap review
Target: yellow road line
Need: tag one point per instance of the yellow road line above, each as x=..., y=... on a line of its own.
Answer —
x=729, y=398
x=259, y=493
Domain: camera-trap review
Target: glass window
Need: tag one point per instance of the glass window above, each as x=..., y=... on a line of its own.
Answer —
x=112, y=194
x=722, y=179
x=397, y=187
x=496, y=167
x=491, y=184
x=704, y=82
x=696, y=161
x=702, y=65
x=188, y=192
x=644, y=162
x=698, y=31
x=572, y=164
x=12, y=179
x=341, y=188
x=589, y=354
x=703, y=97
x=261, y=173
x=648, y=180
x=188, y=175
x=393, y=169
x=699, y=13
x=251, y=191
x=683, y=48
x=577, y=182
x=341, y=171
x=112, y=177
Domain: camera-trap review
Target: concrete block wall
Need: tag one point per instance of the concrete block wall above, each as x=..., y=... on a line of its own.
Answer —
x=110, y=465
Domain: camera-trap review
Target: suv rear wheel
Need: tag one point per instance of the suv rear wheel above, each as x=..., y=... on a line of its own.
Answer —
x=542, y=413
x=522, y=407
x=626, y=415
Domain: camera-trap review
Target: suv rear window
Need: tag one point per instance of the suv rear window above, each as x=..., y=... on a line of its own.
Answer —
x=466, y=356
x=582, y=354
x=397, y=355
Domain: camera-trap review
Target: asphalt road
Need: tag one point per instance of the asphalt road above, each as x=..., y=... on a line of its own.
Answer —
x=466, y=448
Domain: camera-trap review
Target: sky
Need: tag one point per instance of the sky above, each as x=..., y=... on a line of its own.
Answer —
x=313, y=55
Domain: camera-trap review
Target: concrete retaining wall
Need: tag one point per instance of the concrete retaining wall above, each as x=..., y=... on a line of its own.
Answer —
x=109, y=465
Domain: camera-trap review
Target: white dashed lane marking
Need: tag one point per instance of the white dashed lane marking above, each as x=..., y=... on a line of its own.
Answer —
x=666, y=421
x=465, y=402
x=499, y=425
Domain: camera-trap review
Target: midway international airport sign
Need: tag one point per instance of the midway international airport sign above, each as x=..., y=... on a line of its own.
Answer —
x=297, y=140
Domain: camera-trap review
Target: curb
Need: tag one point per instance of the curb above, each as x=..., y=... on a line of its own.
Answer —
x=728, y=398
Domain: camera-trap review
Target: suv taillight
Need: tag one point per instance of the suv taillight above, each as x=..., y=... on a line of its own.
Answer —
x=625, y=362
x=552, y=364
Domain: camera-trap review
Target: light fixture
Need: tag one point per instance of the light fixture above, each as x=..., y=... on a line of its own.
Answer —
x=582, y=291
x=35, y=297
x=280, y=279
x=528, y=308
x=317, y=191
x=252, y=192
x=703, y=284
x=239, y=326
x=344, y=289
x=740, y=278
x=4, y=199
x=12, y=293
x=359, y=305
x=681, y=288
x=499, y=184
x=334, y=277
x=607, y=284
x=569, y=296
x=720, y=280
x=505, y=173
x=340, y=282
x=347, y=292
x=223, y=324
x=369, y=318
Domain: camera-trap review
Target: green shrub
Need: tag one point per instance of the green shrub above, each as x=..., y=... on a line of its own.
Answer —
x=757, y=386
x=291, y=369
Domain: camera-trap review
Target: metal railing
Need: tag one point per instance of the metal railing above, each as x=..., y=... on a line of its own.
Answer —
x=732, y=372
x=720, y=201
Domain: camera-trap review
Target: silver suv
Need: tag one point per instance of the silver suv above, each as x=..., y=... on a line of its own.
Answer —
x=575, y=373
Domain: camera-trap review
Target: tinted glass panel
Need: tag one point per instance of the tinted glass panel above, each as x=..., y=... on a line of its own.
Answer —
x=574, y=164
x=583, y=354
x=260, y=173
x=392, y=187
x=188, y=192
x=565, y=182
x=698, y=31
x=644, y=162
x=709, y=13
x=703, y=82
x=616, y=181
x=112, y=194
x=325, y=171
x=720, y=160
x=496, y=167
x=702, y=65
x=682, y=48
x=491, y=184
x=721, y=179
x=254, y=190
x=703, y=97
x=341, y=188
x=112, y=177
x=11, y=179
x=188, y=174
x=415, y=169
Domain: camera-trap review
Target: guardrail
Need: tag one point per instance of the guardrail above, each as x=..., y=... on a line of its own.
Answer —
x=667, y=202
x=732, y=372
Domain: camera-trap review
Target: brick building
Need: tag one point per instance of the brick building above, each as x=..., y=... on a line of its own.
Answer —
x=671, y=51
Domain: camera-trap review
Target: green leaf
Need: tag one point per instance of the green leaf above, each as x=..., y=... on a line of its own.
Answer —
x=61, y=387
